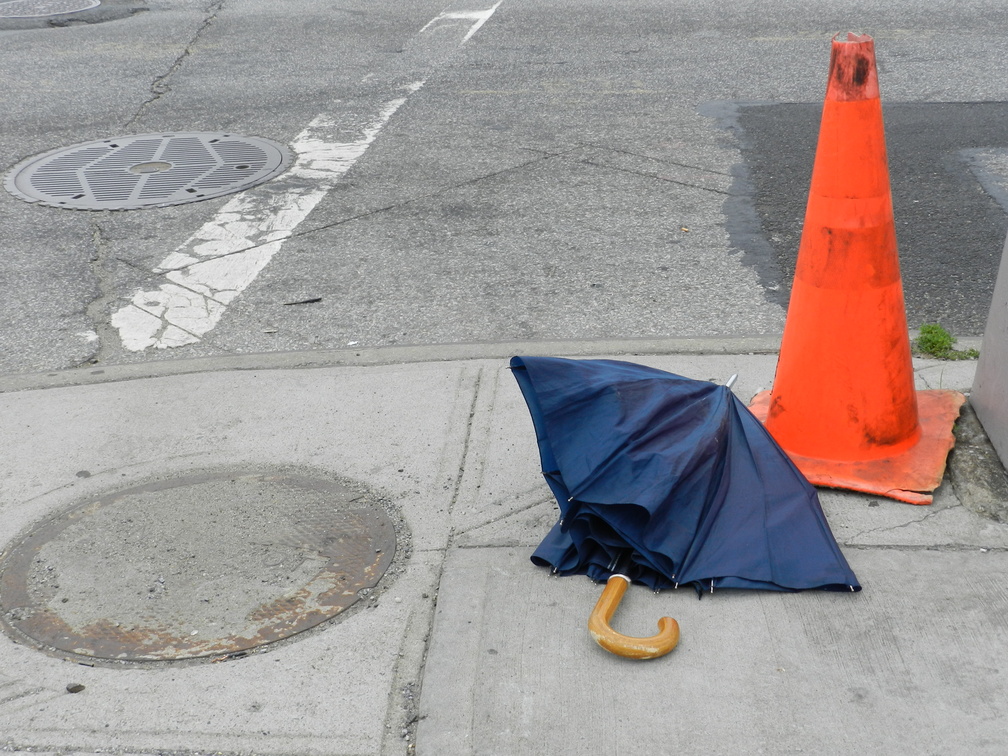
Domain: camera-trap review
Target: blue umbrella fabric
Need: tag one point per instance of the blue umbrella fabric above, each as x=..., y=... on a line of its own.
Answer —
x=675, y=477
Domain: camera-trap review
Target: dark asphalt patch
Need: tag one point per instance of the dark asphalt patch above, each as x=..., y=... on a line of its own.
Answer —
x=949, y=230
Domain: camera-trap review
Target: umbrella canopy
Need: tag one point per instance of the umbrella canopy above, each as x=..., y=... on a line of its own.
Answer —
x=676, y=477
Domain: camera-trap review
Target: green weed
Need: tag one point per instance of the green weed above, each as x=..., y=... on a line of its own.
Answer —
x=935, y=341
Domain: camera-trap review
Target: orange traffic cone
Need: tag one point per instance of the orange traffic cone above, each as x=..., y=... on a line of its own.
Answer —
x=848, y=415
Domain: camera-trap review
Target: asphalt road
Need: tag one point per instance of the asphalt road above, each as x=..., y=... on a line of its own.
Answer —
x=529, y=170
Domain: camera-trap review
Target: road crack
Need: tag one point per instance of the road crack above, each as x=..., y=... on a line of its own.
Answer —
x=892, y=528
x=161, y=84
x=652, y=158
x=658, y=177
x=376, y=211
x=97, y=309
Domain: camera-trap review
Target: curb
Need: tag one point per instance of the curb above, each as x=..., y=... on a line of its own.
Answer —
x=382, y=356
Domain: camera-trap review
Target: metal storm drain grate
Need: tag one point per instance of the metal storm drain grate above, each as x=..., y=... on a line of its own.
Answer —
x=203, y=566
x=148, y=170
x=42, y=8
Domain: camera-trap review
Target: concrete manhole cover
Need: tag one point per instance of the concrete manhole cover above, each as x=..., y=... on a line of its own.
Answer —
x=147, y=170
x=202, y=566
x=40, y=8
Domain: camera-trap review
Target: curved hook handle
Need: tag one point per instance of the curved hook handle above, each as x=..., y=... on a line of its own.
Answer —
x=624, y=645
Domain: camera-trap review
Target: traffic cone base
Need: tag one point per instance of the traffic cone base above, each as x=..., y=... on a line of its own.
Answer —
x=909, y=475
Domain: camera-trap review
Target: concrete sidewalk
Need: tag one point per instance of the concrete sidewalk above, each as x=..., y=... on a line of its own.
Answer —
x=465, y=647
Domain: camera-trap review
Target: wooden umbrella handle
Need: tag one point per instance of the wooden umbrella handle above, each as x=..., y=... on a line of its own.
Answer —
x=624, y=645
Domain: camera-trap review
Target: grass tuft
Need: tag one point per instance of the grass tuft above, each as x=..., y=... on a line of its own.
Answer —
x=935, y=341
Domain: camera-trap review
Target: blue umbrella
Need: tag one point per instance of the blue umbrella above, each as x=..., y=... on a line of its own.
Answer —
x=670, y=481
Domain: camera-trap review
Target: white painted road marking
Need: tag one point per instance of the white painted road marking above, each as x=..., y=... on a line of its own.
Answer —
x=221, y=259
x=478, y=18
x=205, y=274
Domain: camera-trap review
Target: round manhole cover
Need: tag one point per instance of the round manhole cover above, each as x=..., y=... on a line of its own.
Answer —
x=41, y=8
x=148, y=170
x=203, y=566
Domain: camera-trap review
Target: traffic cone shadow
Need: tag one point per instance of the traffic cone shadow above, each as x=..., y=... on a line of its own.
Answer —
x=843, y=404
